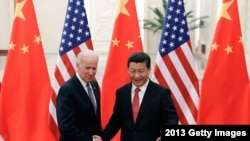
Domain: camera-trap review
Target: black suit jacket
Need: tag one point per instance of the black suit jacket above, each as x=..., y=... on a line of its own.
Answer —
x=75, y=113
x=156, y=110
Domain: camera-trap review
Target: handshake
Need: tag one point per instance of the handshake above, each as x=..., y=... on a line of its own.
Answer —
x=97, y=138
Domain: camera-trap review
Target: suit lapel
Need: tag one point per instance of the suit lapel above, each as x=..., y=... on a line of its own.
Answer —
x=80, y=88
x=83, y=94
x=149, y=93
x=126, y=99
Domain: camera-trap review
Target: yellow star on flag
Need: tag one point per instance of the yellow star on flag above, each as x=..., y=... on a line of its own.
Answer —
x=25, y=49
x=240, y=40
x=122, y=8
x=37, y=39
x=229, y=49
x=130, y=44
x=224, y=10
x=215, y=46
x=115, y=42
x=12, y=46
x=19, y=8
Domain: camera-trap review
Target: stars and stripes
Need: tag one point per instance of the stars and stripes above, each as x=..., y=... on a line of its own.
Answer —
x=175, y=64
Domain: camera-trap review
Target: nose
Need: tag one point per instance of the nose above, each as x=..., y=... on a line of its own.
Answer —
x=92, y=71
x=137, y=75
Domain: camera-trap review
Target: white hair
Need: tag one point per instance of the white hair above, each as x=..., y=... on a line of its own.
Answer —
x=85, y=53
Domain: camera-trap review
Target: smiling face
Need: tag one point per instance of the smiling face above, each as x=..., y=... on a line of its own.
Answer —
x=138, y=73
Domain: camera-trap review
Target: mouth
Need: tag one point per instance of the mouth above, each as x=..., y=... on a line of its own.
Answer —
x=137, y=81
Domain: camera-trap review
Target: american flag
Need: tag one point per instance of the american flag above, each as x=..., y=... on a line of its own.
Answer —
x=175, y=64
x=75, y=37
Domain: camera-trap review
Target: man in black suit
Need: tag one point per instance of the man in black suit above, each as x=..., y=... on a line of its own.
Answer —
x=78, y=104
x=156, y=108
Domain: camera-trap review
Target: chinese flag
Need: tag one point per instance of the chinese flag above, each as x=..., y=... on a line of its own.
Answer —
x=25, y=92
x=125, y=40
x=225, y=85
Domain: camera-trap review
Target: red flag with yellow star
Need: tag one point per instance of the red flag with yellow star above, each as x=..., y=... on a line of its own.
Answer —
x=224, y=89
x=25, y=92
x=125, y=40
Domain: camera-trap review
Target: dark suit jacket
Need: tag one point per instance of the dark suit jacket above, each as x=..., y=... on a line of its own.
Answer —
x=156, y=110
x=75, y=113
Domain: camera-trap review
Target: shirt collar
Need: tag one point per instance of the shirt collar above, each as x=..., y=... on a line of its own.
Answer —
x=81, y=81
x=142, y=88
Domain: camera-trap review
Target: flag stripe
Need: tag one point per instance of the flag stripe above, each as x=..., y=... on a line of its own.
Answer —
x=175, y=88
x=186, y=71
x=187, y=59
x=161, y=80
x=58, y=76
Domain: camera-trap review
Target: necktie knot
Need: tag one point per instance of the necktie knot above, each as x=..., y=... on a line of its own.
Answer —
x=137, y=90
x=88, y=85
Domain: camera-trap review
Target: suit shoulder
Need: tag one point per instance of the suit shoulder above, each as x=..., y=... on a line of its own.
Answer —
x=68, y=83
x=125, y=86
x=71, y=84
x=158, y=86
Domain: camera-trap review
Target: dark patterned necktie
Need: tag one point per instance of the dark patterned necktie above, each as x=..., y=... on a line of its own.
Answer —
x=91, y=96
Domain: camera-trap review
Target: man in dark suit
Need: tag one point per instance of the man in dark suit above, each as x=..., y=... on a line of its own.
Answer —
x=78, y=104
x=154, y=109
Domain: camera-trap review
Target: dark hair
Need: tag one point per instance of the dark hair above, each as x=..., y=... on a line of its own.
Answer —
x=139, y=57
